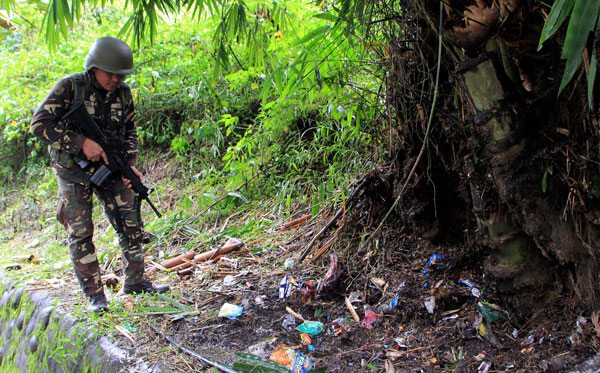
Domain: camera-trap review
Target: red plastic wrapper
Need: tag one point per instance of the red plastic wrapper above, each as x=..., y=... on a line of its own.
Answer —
x=371, y=317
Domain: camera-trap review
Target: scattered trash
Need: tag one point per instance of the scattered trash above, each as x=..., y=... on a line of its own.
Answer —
x=230, y=311
x=332, y=275
x=293, y=359
x=311, y=348
x=435, y=262
x=474, y=291
x=529, y=340
x=390, y=306
x=515, y=333
x=289, y=263
x=483, y=331
x=286, y=286
x=379, y=282
x=430, y=304
x=355, y=297
x=491, y=312
x=339, y=326
x=311, y=327
x=484, y=367
x=481, y=356
x=260, y=300
x=455, y=316
x=305, y=339
x=229, y=280
x=581, y=321
x=262, y=348
x=308, y=292
x=371, y=317
x=289, y=323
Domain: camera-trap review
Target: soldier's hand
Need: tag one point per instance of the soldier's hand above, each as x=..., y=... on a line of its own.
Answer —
x=93, y=151
x=127, y=182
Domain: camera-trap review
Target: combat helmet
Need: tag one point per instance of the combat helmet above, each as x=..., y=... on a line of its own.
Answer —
x=110, y=54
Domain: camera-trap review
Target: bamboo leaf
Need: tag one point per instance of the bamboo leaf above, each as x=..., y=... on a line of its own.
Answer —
x=570, y=69
x=327, y=17
x=259, y=364
x=582, y=22
x=592, y=78
x=313, y=34
x=559, y=12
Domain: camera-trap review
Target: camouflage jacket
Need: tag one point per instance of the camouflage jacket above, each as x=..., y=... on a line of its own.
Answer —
x=113, y=111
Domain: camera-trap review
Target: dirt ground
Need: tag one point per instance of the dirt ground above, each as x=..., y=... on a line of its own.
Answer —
x=460, y=333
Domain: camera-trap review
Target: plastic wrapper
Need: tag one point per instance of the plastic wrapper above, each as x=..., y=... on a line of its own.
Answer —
x=311, y=327
x=295, y=360
x=371, y=317
x=435, y=262
x=339, y=326
x=230, y=311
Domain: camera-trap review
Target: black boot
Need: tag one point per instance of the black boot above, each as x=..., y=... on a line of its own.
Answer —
x=145, y=287
x=98, y=303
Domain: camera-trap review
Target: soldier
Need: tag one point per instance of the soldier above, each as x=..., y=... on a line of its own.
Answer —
x=101, y=89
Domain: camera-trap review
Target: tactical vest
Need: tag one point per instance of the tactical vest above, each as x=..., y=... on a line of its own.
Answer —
x=82, y=90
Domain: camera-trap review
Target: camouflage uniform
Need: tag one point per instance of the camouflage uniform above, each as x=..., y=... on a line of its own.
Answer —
x=114, y=112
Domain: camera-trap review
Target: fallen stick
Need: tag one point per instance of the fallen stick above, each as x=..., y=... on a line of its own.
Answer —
x=294, y=223
x=295, y=314
x=324, y=248
x=192, y=353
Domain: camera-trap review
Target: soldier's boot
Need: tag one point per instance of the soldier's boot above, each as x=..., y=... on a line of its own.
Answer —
x=144, y=287
x=98, y=303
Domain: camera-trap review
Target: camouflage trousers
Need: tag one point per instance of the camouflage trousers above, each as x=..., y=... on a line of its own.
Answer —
x=121, y=207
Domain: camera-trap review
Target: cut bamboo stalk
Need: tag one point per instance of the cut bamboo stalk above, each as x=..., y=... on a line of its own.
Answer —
x=294, y=223
x=229, y=246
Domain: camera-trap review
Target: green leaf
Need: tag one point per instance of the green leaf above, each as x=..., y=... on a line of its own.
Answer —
x=239, y=196
x=570, y=70
x=173, y=302
x=327, y=17
x=258, y=364
x=582, y=22
x=313, y=34
x=593, y=71
x=592, y=78
x=559, y=12
x=159, y=310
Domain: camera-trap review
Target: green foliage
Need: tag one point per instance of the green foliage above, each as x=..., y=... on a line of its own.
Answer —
x=584, y=19
x=291, y=120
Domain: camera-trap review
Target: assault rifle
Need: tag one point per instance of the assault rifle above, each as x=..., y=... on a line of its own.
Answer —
x=77, y=115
